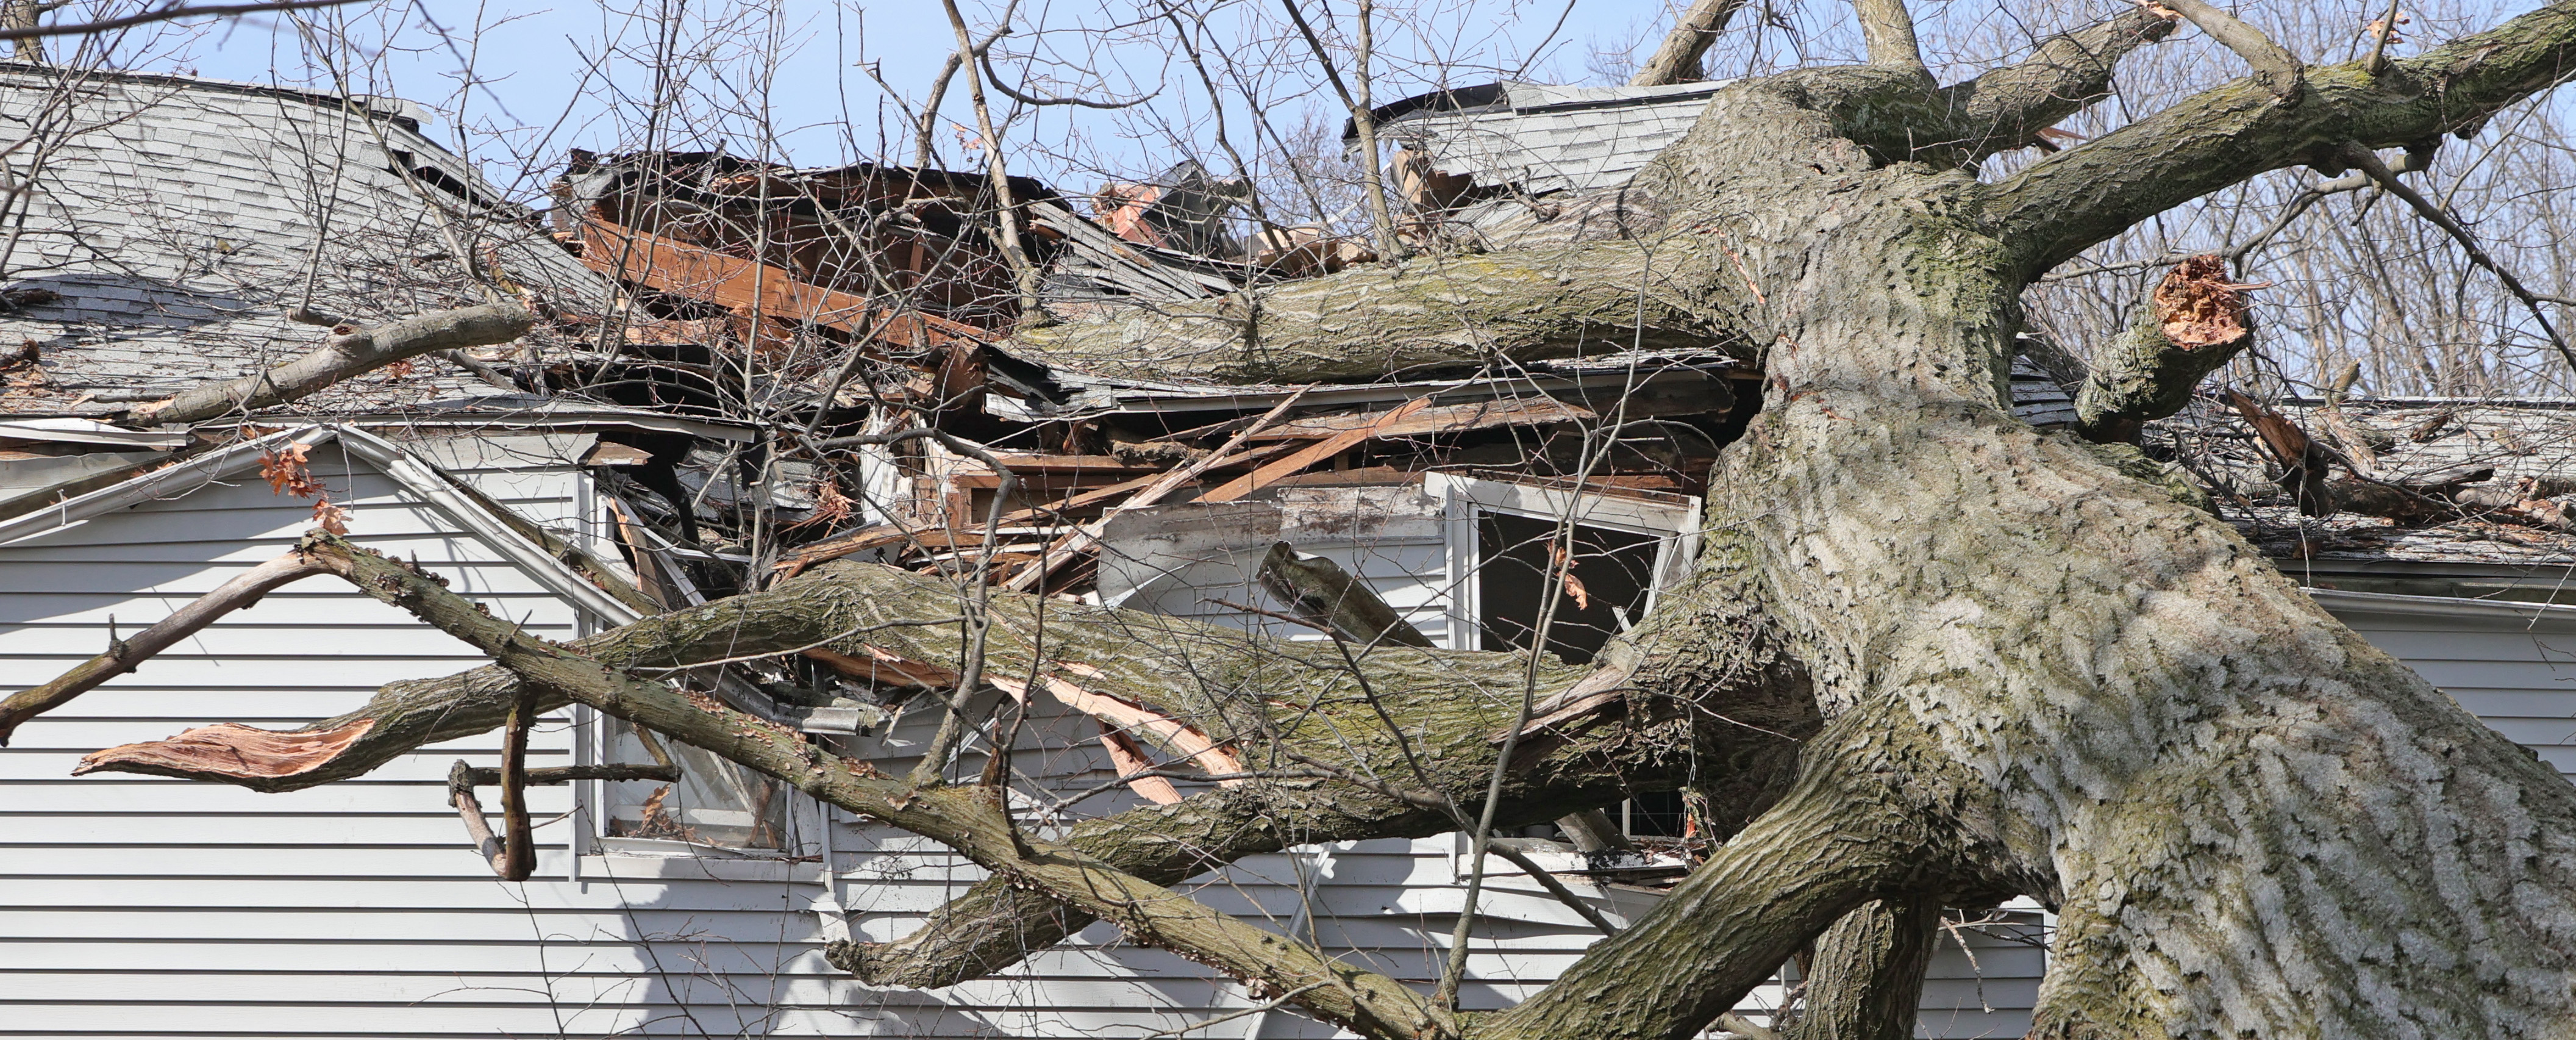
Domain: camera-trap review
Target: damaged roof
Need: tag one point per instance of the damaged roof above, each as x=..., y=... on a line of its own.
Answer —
x=2525, y=447
x=175, y=221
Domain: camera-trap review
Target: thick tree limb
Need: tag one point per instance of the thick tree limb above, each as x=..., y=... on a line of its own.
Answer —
x=122, y=655
x=348, y=352
x=1712, y=674
x=1887, y=30
x=1824, y=849
x=965, y=818
x=2007, y=108
x=1866, y=981
x=1677, y=59
x=1427, y=314
x=2066, y=203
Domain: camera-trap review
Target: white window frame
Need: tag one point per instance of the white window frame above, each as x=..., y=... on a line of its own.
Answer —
x=1674, y=525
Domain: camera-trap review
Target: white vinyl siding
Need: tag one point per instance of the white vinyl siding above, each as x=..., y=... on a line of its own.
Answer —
x=141, y=906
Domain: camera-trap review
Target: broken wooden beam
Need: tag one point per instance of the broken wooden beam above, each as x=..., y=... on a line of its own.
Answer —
x=1298, y=461
x=751, y=287
x=1328, y=597
x=1451, y=418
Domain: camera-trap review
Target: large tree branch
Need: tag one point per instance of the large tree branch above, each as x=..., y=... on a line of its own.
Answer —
x=1696, y=687
x=969, y=819
x=1677, y=59
x=1833, y=843
x=1429, y=313
x=348, y=352
x=2006, y=108
x=2066, y=203
x=1866, y=980
x=1887, y=30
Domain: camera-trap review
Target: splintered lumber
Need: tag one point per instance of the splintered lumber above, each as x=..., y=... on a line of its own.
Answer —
x=1297, y=461
x=1128, y=716
x=230, y=751
x=1451, y=418
x=1328, y=597
x=1133, y=764
x=1086, y=536
x=751, y=287
x=882, y=535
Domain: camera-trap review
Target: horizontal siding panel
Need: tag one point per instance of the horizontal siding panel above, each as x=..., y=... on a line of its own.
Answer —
x=525, y=954
x=27, y=645
x=293, y=605
x=213, y=799
x=145, y=580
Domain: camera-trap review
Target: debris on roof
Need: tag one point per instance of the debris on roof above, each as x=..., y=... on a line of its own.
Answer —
x=2398, y=480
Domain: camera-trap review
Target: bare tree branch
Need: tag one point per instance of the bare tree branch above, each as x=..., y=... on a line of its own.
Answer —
x=2272, y=62
x=2064, y=204
x=2369, y=163
x=1887, y=29
x=350, y=351
x=1677, y=60
x=163, y=14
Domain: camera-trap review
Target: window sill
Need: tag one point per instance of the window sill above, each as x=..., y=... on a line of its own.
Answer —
x=640, y=859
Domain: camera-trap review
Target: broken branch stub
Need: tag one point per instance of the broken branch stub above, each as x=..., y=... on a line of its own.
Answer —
x=2192, y=321
x=1328, y=597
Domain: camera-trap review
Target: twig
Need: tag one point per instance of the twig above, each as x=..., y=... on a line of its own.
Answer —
x=163, y=15
x=2369, y=162
x=2378, y=60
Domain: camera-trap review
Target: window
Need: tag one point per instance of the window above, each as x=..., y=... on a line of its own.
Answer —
x=715, y=802
x=1502, y=538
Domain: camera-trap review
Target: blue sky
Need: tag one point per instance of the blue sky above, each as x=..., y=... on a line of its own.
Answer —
x=550, y=74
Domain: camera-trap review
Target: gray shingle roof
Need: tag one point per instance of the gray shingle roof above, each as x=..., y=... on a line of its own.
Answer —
x=1551, y=138
x=176, y=219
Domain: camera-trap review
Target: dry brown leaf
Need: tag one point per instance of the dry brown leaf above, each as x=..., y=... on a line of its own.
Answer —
x=330, y=517
x=288, y=473
x=1573, y=585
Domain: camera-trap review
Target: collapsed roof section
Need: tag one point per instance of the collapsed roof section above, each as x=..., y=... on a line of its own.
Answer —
x=2440, y=496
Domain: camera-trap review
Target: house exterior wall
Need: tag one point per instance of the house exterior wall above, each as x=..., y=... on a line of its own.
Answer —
x=139, y=906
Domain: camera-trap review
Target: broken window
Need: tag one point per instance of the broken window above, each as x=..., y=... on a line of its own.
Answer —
x=1579, y=565
x=714, y=803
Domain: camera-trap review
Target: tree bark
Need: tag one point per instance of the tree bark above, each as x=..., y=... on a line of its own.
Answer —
x=1866, y=979
x=2002, y=663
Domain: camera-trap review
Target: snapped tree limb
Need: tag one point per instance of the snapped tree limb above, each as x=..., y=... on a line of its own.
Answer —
x=2189, y=323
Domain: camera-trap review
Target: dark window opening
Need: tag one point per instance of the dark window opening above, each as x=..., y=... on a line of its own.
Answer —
x=1614, y=571
x=1654, y=814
